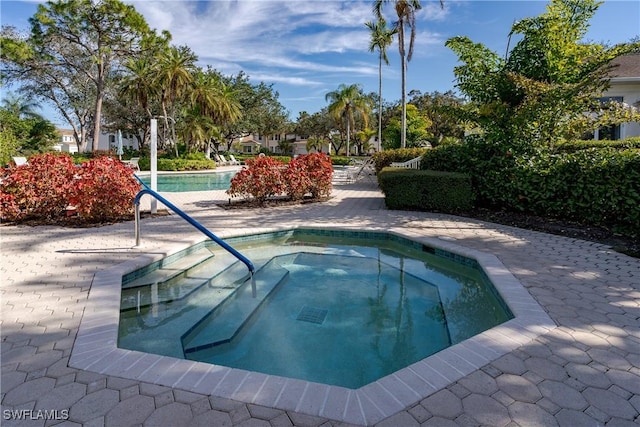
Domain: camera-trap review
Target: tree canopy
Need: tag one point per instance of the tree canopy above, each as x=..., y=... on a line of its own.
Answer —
x=546, y=83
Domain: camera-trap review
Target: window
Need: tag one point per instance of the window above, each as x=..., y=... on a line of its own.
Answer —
x=112, y=139
x=609, y=132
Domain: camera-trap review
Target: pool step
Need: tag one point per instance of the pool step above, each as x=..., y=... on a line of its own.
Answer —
x=160, y=326
x=174, y=281
x=225, y=321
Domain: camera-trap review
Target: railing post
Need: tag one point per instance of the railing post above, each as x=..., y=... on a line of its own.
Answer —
x=137, y=223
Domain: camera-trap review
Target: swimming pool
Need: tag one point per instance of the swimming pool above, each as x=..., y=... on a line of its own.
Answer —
x=180, y=182
x=339, y=308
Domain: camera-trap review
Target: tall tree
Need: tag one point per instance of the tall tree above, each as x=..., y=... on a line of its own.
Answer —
x=345, y=103
x=406, y=12
x=174, y=75
x=548, y=81
x=381, y=38
x=73, y=47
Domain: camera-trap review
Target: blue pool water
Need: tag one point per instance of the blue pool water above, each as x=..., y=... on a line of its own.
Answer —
x=343, y=309
x=192, y=182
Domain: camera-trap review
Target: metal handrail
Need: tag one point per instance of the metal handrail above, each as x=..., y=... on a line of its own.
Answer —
x=190, y=220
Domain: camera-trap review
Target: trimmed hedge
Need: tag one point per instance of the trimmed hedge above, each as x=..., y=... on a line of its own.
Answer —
x=429, y=190
x=177, y=164
x=597, y=186
x=382, y=159
x=620, y=144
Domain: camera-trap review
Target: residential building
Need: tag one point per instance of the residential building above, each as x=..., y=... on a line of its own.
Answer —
x=625, y=88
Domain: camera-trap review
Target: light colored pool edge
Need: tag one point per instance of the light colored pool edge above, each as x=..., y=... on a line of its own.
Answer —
x=95, y=348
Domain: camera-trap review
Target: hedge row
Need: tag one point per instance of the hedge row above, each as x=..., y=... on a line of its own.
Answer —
x=599, y=186
x=620, y=144
x=439, y=191
x=382, y=159
x=177, y=164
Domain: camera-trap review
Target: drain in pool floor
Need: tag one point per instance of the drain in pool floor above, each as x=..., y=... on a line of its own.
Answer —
x=312, y=315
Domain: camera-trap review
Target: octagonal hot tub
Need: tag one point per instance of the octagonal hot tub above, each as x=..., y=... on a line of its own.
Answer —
x=347, y=324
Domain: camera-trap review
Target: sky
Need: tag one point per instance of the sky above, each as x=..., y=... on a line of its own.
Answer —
x=307, y=48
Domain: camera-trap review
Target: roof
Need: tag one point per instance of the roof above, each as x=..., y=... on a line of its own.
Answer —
x=626, y=66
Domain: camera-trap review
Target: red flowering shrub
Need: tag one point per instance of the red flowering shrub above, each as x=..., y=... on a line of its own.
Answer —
x=297, y=181
x=319, y=170
x=104, y=190
x=261, y=179
x=39, y=189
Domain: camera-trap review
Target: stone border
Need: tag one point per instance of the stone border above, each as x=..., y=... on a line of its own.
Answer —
x=95, y=349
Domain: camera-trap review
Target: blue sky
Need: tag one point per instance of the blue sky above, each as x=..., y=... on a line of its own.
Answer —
x=307, y=48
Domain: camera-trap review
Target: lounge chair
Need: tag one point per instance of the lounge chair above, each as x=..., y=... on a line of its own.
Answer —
x=233, y=160
x=224, y=161
x=133, y=163
x=19, y=161
x=220, y=160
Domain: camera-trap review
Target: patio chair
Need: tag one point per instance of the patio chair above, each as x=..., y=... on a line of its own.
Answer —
x=233, y=160
x=220, y=160
x=19, y=161
x=224, y=160
x=133, y=163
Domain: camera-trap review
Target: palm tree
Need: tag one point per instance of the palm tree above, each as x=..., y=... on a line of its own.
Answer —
x=137, y=85
x=174, y=75
x=346, y=101
x=381, y=37
x=406, y=11
x=21, y=106
x=215, y=100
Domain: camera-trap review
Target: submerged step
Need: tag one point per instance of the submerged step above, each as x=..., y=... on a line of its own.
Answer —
x=175, y=269
x=160, y=325
x=225, y=321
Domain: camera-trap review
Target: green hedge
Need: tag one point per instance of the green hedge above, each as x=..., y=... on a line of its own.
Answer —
x=620, y=144
x=382, y=159
x=177, y=164
x=597, y=186
x=426, y=190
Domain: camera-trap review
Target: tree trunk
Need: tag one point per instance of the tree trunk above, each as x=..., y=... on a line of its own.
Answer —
x=96, y=124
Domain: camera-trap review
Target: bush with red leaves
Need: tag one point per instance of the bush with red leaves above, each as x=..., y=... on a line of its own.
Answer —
x=39, y=189
x=261, y=179
x=267, y=177
x=104, y=190
x=101, y=189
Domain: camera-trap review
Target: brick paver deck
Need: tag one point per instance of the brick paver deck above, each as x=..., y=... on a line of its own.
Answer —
x=585, y=372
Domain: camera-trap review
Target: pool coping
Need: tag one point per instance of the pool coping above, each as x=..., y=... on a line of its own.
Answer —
x=95, y=348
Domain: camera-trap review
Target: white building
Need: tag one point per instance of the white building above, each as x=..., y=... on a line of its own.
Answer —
x=624, y=87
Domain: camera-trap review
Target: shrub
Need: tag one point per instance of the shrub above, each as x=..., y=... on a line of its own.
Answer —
x=596, y=186
x=318, y=168
x=267, y=177
x=599, y=186
x=104, y=190
x=177, y=164
x=101, y=189
x=382, y=159
x=40, y=189
x=261, y=179
x=426, y=190
x=575, y=145
x=296, y=179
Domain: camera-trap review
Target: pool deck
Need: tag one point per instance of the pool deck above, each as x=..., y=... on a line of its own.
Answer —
x=585, y=372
